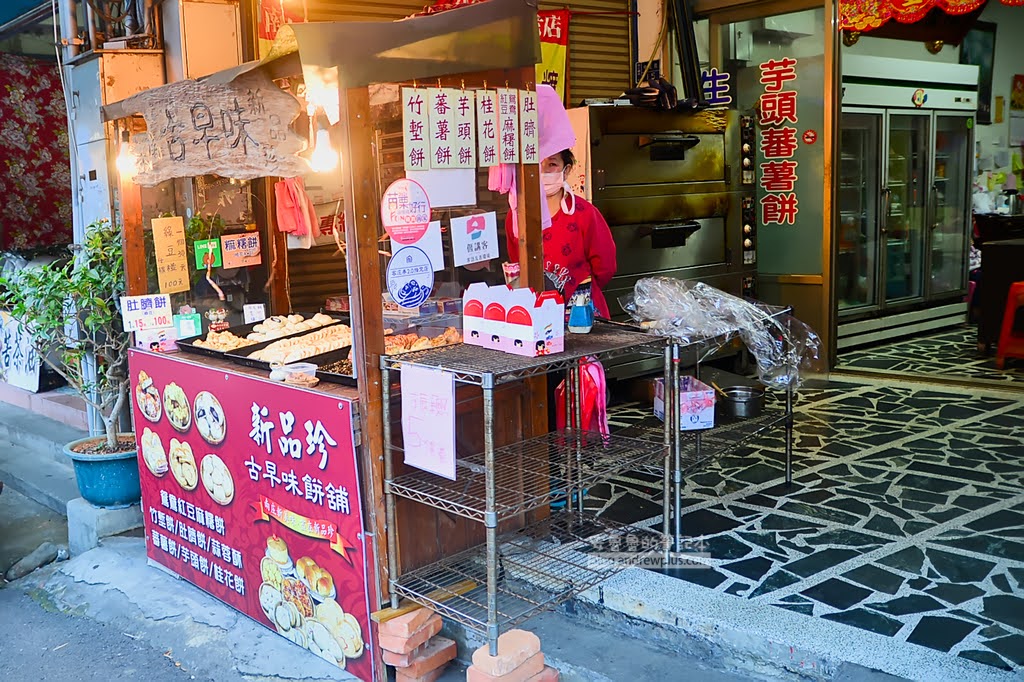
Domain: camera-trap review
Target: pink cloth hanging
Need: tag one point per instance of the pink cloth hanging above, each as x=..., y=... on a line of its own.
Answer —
x=295, y=211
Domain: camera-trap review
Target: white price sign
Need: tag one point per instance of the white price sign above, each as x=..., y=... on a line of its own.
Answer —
x=146, y=312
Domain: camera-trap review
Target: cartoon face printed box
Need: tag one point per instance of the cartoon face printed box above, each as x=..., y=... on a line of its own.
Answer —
x=517, y=321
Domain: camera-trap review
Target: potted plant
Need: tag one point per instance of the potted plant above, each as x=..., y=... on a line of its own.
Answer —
x=72, y=309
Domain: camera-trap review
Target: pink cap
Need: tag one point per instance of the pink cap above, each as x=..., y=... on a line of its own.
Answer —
x=554, y=130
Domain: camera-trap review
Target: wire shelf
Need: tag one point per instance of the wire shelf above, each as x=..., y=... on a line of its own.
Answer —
x=529, y=474
x=724, y=437
x=486, y=367
x=539, y=567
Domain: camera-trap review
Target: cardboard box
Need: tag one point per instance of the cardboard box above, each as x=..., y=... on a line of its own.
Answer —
x=517, y=321
x=696, y=403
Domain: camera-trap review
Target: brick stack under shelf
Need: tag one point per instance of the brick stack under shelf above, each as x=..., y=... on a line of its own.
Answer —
x=411, y=644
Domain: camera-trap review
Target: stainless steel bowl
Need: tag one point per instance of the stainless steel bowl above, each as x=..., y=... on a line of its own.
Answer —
x=741, y=402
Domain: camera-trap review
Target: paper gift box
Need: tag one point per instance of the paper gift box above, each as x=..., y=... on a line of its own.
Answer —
x=516, y=321
x=483, y=318
x=534, y=323
x=696, y=403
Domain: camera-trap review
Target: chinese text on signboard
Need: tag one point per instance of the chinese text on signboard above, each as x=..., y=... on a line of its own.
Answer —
x=250, y=491
x=778, y=142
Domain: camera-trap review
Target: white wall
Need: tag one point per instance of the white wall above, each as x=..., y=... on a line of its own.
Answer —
x=1009, y=60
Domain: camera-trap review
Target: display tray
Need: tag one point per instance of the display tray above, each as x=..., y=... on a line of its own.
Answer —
x=188, y=345
x=336, y=377
x=241, y=356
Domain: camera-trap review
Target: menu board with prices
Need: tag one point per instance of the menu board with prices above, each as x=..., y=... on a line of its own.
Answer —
x=250, y=491
x=171, y=257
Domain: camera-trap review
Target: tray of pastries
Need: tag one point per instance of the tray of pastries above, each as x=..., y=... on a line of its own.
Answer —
x=422, y=339
x=337, y=372
x=216, y=344
x=318, y=347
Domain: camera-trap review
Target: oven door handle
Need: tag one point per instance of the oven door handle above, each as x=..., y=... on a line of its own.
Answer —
x=670, y=235
x=688, y=141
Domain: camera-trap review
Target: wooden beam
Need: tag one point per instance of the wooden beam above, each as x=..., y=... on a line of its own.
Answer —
x=132, y=226
x=362, y=227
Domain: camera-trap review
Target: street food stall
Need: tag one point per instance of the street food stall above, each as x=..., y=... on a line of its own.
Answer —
x=308, y=466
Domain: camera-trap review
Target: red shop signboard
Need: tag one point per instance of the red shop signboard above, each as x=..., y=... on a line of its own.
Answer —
x=250, y=492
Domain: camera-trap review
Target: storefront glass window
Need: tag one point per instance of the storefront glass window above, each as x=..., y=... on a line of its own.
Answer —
x=211, y=208
x=775, y=67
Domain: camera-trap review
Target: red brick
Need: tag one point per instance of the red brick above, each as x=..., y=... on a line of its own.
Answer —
x=431, y=676
x=437, y=653
x=549, y=674
x=405, y=626
x=514, y=647
x=528, y=669
x=403, y=645
x=402, y=660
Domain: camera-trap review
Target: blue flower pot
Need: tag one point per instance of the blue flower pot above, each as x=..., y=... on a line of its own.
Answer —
x=106, y=480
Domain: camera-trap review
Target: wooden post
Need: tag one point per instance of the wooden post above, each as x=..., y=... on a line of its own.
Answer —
x=136, y=282
x=361, y=230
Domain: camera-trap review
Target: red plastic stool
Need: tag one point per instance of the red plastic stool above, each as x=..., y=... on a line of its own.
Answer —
x=1011, y=345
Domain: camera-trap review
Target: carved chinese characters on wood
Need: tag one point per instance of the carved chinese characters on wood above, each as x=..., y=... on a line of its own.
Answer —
x=237, y=130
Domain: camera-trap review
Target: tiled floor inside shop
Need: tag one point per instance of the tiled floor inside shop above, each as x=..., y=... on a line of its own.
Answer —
x=906, y=517
x=947, y=354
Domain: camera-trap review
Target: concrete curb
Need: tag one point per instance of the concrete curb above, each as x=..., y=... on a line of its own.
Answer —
x=37, y=477
x=37, y=433
x=762, y=638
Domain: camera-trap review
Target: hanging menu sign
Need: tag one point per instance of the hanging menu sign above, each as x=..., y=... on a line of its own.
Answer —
x=528, y=126
x=414, y=128
x=442, y=127
x=508, y=119
x=465, y=130
x=171, y=257
x=236, y=130
x=778, y=119
x=487, y=127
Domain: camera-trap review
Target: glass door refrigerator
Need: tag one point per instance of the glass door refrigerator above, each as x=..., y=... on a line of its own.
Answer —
x=904, y=212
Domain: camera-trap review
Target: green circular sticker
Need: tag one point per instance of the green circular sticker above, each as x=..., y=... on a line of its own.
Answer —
x=970, y=123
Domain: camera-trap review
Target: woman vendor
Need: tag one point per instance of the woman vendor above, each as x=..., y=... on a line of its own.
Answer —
x=578, y=245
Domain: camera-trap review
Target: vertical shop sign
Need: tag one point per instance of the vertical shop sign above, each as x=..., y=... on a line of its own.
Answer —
x=428, y=420
x=528, y=126
x=441, y=115
x=465, y=129
x=415, y=121
x=273, y=15
x=250, y=491
x=777, y=108
x=508, y=125
x=554, y=49
x=171, y=257
x=487, y=127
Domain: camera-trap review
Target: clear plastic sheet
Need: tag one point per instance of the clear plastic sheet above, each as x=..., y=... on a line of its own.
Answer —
x=693, y=312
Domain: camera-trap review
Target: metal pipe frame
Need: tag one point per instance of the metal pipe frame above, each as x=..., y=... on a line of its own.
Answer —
x=389, y=497
x=666, y=509
x=578, y=411
x=789, y=430
x=677, y=476
x=491, y=521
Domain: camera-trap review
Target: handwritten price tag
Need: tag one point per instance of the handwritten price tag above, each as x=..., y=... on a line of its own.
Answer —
x=428, y=420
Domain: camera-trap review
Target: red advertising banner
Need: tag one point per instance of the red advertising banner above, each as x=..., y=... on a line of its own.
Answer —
x=250, y=491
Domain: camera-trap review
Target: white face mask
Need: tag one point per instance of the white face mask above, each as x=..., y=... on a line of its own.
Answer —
x=553, y=183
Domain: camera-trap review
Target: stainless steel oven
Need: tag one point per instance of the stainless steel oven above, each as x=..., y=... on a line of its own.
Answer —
x=678, y=191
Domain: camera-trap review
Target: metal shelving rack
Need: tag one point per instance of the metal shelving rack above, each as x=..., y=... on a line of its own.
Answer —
x=551, y=561
x=551, y=558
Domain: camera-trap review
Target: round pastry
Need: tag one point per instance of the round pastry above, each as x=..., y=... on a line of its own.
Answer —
x=324, y=585
x=350, y=636
x=270, y=571
x=183, y=464
x=148, y=397
x=278, y=550
x=270, y=597
x=303, y=567
x=177, y=407
x=297, y=594
x=153, y=453
x=210, y=418
x=217, y=480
